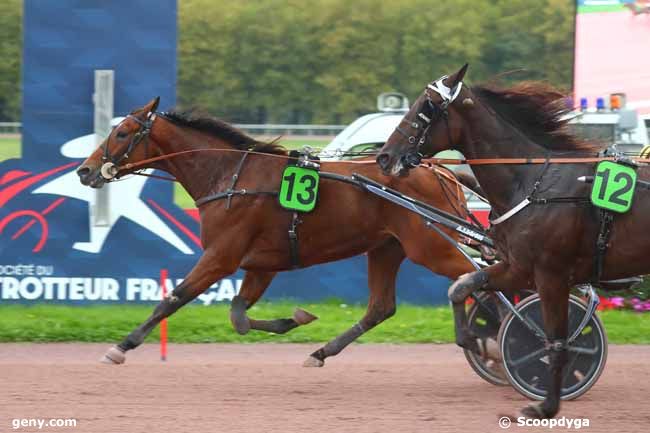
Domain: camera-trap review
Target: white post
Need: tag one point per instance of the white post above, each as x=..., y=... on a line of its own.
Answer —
x=103, y=102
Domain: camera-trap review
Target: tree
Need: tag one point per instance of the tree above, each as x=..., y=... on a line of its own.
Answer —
x=11, y=55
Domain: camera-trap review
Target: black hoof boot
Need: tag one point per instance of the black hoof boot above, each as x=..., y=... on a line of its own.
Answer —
x=469, y=341
x=535, y=411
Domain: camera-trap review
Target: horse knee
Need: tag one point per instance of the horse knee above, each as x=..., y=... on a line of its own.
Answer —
x=466, y=285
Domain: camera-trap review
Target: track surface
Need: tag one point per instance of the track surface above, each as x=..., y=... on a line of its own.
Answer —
x=263, y=388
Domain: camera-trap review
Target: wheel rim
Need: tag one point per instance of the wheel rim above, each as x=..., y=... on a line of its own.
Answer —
x=483, y=319
x=526, y=360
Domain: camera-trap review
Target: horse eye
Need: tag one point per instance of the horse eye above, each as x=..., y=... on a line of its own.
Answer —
x=122, y=134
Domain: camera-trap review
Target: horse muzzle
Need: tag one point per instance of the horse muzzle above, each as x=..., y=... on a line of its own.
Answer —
x=391, y=165
x=411, y=160
x=92, y=177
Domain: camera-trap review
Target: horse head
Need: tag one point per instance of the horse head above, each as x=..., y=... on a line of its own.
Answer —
x=431, y=125
x=128, y=142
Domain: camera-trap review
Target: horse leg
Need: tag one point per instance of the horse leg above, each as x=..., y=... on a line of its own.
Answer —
x=494, y=277
x=253, y=286
x=204, y=274
x=554, y=296
x=383, y=264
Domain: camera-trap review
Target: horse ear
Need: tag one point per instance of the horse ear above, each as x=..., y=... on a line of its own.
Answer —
x=151, y=105
x=458, y=76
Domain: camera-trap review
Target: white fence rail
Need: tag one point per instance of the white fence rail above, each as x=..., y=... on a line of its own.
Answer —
x=257, y=129
x=288, y=129
x=10, y=127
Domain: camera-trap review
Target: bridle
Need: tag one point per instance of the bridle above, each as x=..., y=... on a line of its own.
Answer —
x=429, y=113
x=111, y=163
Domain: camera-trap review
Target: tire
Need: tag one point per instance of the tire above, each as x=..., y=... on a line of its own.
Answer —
x=483, y=321
x=529, y=377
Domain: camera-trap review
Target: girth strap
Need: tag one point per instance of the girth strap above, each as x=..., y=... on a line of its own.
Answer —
x=235, y=177
x=231, y=191
x=604, y=230
x=294, y=253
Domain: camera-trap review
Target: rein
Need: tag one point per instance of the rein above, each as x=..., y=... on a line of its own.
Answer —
x=448, y=161
x=140, y=164
x=522, y=161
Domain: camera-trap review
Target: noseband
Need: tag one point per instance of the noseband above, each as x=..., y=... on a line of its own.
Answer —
x=428, y=114
x=110, y=162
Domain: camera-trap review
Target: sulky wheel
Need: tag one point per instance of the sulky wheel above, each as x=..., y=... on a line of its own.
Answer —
x=484, y=321
x=525, y=359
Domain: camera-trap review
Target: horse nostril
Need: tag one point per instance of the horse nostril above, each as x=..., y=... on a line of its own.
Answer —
x=83, y=172
x=383, y=159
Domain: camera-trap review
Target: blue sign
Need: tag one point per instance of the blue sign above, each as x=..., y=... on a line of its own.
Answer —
x=49, y=249
x=65, y=41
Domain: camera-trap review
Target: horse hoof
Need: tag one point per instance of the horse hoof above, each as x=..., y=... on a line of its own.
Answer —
x=471, y=343
x=114, y=356
x=313, y=362
x=303, y=317
x=534, y=411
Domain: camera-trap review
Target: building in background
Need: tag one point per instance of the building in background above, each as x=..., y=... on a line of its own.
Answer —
x=612, y=52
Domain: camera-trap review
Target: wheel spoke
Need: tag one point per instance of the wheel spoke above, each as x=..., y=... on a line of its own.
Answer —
x=527, y=358
x=487, y=308
x=583, y=350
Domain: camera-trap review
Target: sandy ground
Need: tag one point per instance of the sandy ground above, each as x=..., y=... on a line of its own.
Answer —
x=263, y=388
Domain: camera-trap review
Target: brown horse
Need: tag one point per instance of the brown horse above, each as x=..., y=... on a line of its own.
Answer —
x=544, y=226
x=249, y=230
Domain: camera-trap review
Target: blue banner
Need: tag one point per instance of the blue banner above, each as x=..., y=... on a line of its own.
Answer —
x=49, y=249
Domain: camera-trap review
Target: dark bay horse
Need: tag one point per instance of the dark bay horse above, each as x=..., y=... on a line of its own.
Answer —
x=250, y=231
x=547, y=244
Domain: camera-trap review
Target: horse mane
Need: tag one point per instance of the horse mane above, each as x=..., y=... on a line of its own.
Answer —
x=538, y=110
x=220, y=129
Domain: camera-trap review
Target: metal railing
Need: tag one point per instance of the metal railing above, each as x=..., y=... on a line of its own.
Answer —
x=251, y=128
x=10, y=127
x=289, y=129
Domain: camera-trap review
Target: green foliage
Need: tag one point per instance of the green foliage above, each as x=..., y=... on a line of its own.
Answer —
x=198, y=324
x=11, y=54
x=327, y=60
x=643, y=291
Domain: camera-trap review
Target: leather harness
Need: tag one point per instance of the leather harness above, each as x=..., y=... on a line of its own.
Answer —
x=292, y=232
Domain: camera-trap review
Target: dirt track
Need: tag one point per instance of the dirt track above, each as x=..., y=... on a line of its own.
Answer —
x=263, y=388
